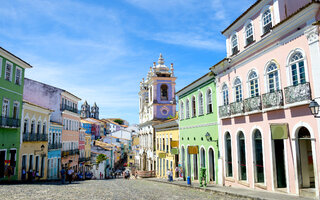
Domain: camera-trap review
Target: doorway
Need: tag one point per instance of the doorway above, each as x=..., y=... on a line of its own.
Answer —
x=211, y=165
x=280, y=163
x=2, y=160
x=182, y=163
x=189, y=163
x=305, y=167
x=195, y=166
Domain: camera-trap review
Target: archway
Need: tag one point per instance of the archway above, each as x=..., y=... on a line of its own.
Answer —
x=258, y=157
x=242, y=156
x=195, y=166
x=182, y=162
x=305, y=159
x=203, y=158
x=189, y=163
x=211, y=165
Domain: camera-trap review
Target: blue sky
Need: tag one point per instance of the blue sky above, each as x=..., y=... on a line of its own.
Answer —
x=100, y=50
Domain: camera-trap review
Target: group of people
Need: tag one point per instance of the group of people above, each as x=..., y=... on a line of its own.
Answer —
x=30, y=176
x=178, y=173
x=71, y=175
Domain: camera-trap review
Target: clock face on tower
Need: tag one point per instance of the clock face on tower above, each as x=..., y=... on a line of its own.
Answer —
x=164, y=110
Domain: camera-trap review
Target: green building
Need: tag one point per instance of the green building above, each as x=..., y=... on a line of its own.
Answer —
x=11, y=95
x=199, y=129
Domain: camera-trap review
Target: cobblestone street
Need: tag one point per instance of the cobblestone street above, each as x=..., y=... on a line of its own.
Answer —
x=104, y=189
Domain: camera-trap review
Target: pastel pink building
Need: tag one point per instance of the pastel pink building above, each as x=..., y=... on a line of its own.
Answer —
x=269, y=139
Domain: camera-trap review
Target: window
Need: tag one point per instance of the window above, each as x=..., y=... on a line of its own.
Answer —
x=32, y=127
x=273, y=77
x=187, y=109
x=258, y=152
x=238, y=90
x=5, y=108
x=25, y=126
x=8, y=71
x=200, y=100
x=234, y=44
x=181, y=110
x=44, y=128
x=225, y=94
x=209, y=101
x=13, y=154
x=249, y=34
x=18, y=76
x=15, y=110
x=253, y=84
x=228, y=155
x=164, y=92
x=242, y=157
x=0, y=66
x=39, y=127
x=266, y=21
x=30, y=162
x=193, y=106
x=298, y=75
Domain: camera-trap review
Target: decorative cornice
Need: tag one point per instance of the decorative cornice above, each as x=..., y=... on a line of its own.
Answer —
x=199, y=125
x=312, y=34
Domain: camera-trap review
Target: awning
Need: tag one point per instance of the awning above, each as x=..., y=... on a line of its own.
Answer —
x=193, y=149
x=162, y=155
x=279, y=131
x=174, y=143
x=174, y=151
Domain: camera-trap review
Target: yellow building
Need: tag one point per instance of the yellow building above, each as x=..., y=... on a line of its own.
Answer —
x=34, y=140
x=167, y=143
x=87, y=150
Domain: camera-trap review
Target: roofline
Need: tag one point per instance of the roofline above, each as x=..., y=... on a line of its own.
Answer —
x=72, y=95
x=193, y=82
x=11, y=54
x=213, y=66
x=33, y=104
x=244, y=13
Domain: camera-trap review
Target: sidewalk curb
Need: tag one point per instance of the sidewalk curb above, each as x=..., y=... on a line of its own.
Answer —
x=211, y=190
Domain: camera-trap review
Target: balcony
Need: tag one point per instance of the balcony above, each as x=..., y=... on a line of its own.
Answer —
x=65, y=153
x=85, y=159
x=35, y=137
x=9, y=122
x=236, y=108
x=272, y=99
x=297, y=93
x=55, y=146
x=69, y=108
x=224, y=111
x=252, y=104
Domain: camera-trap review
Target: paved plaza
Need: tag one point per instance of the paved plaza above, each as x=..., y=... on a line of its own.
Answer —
x=105, y=189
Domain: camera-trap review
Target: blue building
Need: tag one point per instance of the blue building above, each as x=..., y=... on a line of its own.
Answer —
x=54, y=150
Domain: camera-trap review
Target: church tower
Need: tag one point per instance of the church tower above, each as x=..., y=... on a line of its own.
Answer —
x=85, y=110
x=95, y=111
x=157, y=103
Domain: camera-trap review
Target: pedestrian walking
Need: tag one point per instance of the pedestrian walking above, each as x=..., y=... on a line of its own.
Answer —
x=24, y=174
x=63, y=176
x=70, y=174
x=171, y=176
x=168, y=175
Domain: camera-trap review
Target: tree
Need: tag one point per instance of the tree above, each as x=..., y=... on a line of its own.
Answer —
x=100, y=158
x=119, y=121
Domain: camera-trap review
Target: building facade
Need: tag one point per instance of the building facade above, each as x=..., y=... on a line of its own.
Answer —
x=157, y=103
x=54, y=150
x=198, y=124
x=12, y=71
x=167, y=147
x=33, y=154
x=264, y=88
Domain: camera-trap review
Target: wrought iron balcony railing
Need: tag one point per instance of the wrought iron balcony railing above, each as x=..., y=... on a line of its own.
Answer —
x=69, y=152
x=9, y=122
x=69, y=108
x=224, y=111
x=297, y=93
x=36, y=137
x=55, y=146
x=272, y=99
x=236, y=108
x=252, y=104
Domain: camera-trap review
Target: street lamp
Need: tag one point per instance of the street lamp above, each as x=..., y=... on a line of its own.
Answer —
x=314, y=108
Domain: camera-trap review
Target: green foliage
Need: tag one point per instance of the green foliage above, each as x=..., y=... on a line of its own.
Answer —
x=100, y=158
x=119, y=121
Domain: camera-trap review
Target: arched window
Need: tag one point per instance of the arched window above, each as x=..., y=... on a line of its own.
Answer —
x=242, y=157
x=298, y=75
x=150, y=92
x=266, y=21
x=273, y=77
x=25, y=126
x=44, y=128
x=33, y=127
x=203, y=158
x=200, y=100
x=193, y=106
x=39, y=127
x=181, y=110
x=249, y=33
x=237, y=90
x=164, y=92
x=187, y=109
x=228, y=152
x=209, y=101
x=258, y=152
x=253, y=84
x=234, y=44
x=225, y=94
